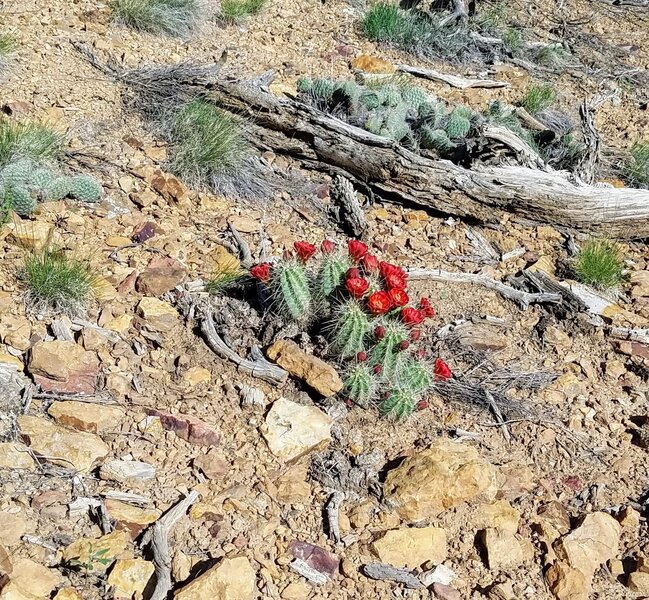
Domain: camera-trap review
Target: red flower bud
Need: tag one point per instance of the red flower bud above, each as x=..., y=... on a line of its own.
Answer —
x=356, y=250
x=353, y=273
x=361, y=356
x=379, y=303
x=378, y=369
x=422, y=404
x=370, y=264
x=304, y=250
x=415, y=334
x=426, y=308
x=404, y=345
x=398, y=297
x=379, y=331
x=421, y=353
x=411, y=316
x=442, y=370
x=328, y=247
x=357, y=286
x=261, y=271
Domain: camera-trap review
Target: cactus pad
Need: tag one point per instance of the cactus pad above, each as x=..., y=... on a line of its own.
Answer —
x=85, y=188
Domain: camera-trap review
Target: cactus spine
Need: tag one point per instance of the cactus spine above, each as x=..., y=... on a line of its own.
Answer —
x=290, y=289
x=361, y=384
x=351, y=327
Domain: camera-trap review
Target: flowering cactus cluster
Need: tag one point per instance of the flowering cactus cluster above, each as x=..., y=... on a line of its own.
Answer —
x=374, y=328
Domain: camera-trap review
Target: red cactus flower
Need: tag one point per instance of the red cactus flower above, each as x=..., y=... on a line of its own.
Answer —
x=415, y=334
x=370, y=264
x=379, y=331
x=328, y=247
x=361, y=356
x=404, y=345
x=356, y=249
x=426, y=308
x=387, y=268
x=261, y=271
x=395, y=281
x=353, y=273
x=304, y=250
x=378, y=369
x=357, y=286
x=411, y=316
x=442, y=370
x=398, y=297
x=379, y=303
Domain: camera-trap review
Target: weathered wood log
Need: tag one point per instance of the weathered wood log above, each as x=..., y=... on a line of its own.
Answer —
x=394, y=173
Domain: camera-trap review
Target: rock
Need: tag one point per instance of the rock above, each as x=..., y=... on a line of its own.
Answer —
x=162, y=274
x=126, y=470
x=158, y=315
x=62, y=366
x=483, y=337
x=502, y=591
x=504, y=550
x=317, y=373
x=553, y=520
x=212, y=465
x=33, y=578
x=181, y=566
x=567, y=583
x=445, y=592
x=629, y=517
x=131, y=518
x=49, y=497
x=411, y=547
x=223, y=262
x=15, y=456
x=230, y=579
x=31, y=235
x=638, y=582
x=13, y=527
x=590, y=545
x=129, y=577
x=640, y=282
x=85, y=416
x=500, y=515
x=197, y=375
x=62, y=446
x=440, y=574
x=10, y=591
x=188, y=428
x=120, y=324
x=16, y=332
x=67, y=594
x=292, y=485
x=5, y=357
x=371, y=64
x=297, y=590
x=293, y=430
x=100, y=552
x=442, y=476
x=317, y=558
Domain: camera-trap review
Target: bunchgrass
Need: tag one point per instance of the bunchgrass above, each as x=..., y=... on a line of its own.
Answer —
x=553, y=56
x=223, y=281
x=600, y=264
x=538, y=98
x=234, y=11
x=8, y=47
x=636, y=169
x=170, y=17
x=57, y=282
x=37, y=141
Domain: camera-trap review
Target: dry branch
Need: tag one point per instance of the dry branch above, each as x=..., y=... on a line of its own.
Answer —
x=455, y=81
x=384, y=571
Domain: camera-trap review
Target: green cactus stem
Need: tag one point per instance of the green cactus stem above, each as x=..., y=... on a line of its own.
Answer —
x=350, y=327
x=386, y=350
x=331, y=274
x=361, y=385
x=85, y=188
x=399, y=404
x=290, y=290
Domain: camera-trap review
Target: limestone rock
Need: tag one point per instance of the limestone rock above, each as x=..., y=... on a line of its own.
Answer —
x=445, y=592
x=34, y=578
x=590, y=545
x=292, y=485
x=11, y=591
x=212, y=464
x=129, y=577
x=499, y=515
x=158, y=315
x=15, y=456
x=13, y=527
x=317, y=373
x=126, y=470
x=567, y=583
x=87, y=550
x=292, y=430
x=371, y=64
x=62, y=446
x=230, y=579
x=411, y=547
x=504, y=549
x=553, y=520
x=85, y=416
x=188, y=428
x=640, y=282
x=197, y=375
x=62, y=366
x=297, y=590
x=67, y=594
x=131, y=518
x=440, y=477
x=31, y=235
x=162, y=274
x=638, y=582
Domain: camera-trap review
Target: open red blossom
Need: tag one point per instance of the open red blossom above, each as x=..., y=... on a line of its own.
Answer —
x=304, y=250
x=411, y=316
x=395, y=281
x=370, y=264
x=356, y=249
x=379, y=303
x=398, y=296
x=426, y=308
x=357, y=286
x=328, y=247
x=353, y=273
x=261, y=271
x=387, y=268
x=442, y=370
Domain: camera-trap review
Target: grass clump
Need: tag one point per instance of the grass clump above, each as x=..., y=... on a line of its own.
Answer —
x=637, y=167
x=8, y=46
x=233, y=11
x=57, y=282
x=36, y=141
x=538, y=98
x=170, y=17
x=599, y=264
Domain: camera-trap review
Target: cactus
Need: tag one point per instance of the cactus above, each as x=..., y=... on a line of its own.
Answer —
x=390, y=95
x=361, y=384
x=289, y=286
x=348, y=94
x=322, y=89
x=304, y=85
x=395, y=125
x=400, y=403
x=17, y=173
x=331, y=274
x=21, y=200
x=386, y=350
x=40, y=178
x=414, y=375
x=459, y=123
x=432, y=113
x=370, y=99
x=375, y=123
x=434, y=138
x=85, y=188
x=414, y=96
x=58, y=188
x=350, y=328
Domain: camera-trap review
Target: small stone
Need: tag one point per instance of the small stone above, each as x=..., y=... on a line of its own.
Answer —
x=411, y=547
x=197, y=375
x=67, y=594
x=500, y=515
x=129, y=577
x=85, y=416
x=131, y=518
x=317, y=373
x=49, y=497
x=15, y=456
x=629, y=517
x=297, y=590
x=33, y=235
x=181, y=566
x=13, y=527
x=442, y=476
x=554, y=521
x=640, y=282
x=212, y=465
x=230, y=579
x=504, y=551
x=188, y=428
x=33, y=578
x=502, y=591
x=292, y=485
x=567, y=583
x=5, y=357
x=120, y=324
x=62, y=446
x=62, y=366
x=88, y=550
x=126, y=470
x=116, y=241
x=440, y=574
x=638, y=582
x=445, y=592
x=371, y=64
x=158, y=315
x=245, y=224
x=317, y=558
x=162, y=274
x=293, y=430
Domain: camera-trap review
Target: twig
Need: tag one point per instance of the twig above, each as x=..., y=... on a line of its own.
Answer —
x=383, y=571
x=244, y=248
x=32, y=539
x=452, y=80
x=333, y=516
x=98, y=398
x=585, y=170
x=499, y=416
x=523, y=299
x=104, y=519
x=631, y=335
x=301, y=568
x=158, y=537
x=257, y=367
x=347, y=208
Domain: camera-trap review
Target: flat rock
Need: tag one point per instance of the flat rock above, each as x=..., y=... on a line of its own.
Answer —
x=504, y=549
x=212, y=464
x=230, y=579
x=15, y=456
x=190, y=429
x=108, y=547
x=442, y=476
x=60, y=445
x=126, y=470
x=293, y=430
x=129, y=577
x=317, y=558
x=9, y=590
x=131, y=518
x=86, y=416
x=567, y=583
x=371, y=64
x=158, y=315
x=411, y=547
x=446, y=592
x=33, y=578
x=31, y=235
x=638, y=582
x=67, y=594
x=161, y=275
x=589, y=546
x=500, y=515
x=13, y=527
x=62, y=366
x=316, y=373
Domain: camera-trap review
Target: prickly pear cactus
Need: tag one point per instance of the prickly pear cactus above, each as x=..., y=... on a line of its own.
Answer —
x=414, y=96
x=361, y=384
x=370, y=99
x=390, y=95
x=40, y=178
x=17, y=173
x=290, y=290
x=350, y=328
x=395, y=125
x=21, y=200
x=374, y=123
x=348, y=94
x=436, y=139
x=323, y=89
x=459, y=123
x=304, y=85
x=58, y=188
x=85, y=188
